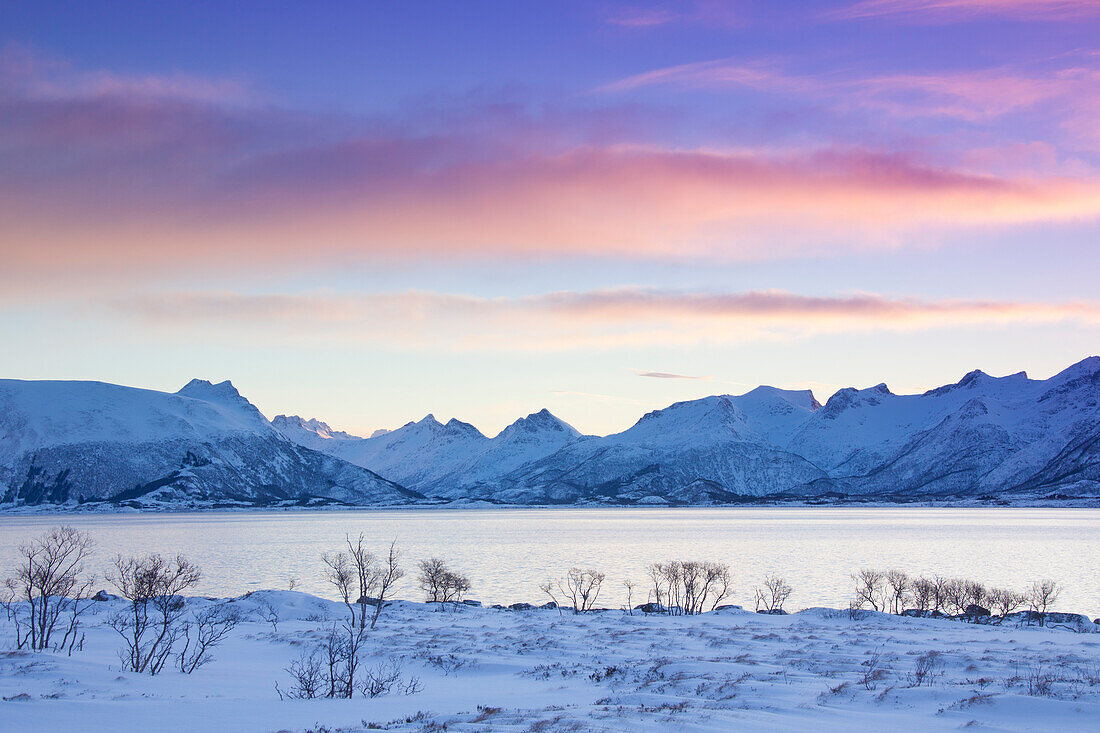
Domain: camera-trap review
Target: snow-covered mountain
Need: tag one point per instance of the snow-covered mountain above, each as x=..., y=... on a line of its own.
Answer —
x=699, y=452
x=436, y=458
x=71, y=442
x=1010, y=437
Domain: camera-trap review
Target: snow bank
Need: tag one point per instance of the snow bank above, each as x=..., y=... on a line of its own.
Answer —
x=482, y=669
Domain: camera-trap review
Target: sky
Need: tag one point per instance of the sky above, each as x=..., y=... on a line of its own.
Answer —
x=366, y=212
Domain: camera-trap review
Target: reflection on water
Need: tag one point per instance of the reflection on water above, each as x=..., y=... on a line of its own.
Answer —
x=507, y=553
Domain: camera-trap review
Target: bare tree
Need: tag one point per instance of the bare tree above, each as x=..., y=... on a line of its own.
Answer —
x=1006, y=601
x=153, y=621
x=440, y=583
x=356, y=576
x=870, y=589
x=580, y=587
x=629, y=586
x=940, y=587
x=955, y=595
x=206, y=630
x=340, y=574
x=689, y=586
x=1042, y=595
x=664, y=583
x=898, y=587
x=772, y=594
x=49, y=583
x=923, y=594
x=550, y=588
x=385, y=577
x=976, y=592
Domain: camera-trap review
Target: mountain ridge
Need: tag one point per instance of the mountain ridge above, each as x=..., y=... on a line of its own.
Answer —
x=983, y=436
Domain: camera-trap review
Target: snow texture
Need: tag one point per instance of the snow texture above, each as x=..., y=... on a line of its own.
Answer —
x=483, y=669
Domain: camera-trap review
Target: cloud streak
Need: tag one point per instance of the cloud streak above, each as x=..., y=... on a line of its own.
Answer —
x=572, y=320
x=668, y=375
x=948, y=11
x=970, y=95
x=141, y=176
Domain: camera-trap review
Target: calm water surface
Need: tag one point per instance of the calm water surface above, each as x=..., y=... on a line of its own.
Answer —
x=507, y=553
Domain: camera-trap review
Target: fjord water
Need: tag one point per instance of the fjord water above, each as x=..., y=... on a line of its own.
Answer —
x=507, y=553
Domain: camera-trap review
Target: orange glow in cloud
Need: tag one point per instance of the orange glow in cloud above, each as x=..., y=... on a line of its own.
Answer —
x=625, y=201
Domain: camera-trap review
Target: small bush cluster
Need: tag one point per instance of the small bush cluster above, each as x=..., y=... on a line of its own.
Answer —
x=893, y=591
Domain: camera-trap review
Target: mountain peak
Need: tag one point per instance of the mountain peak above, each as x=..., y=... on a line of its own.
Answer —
x=542, y=421
x=283, y=423
x=802, y=398
x=202, y=389
x=455, y=425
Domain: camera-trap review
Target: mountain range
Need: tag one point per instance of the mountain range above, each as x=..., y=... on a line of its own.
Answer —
x=78, y=442
x=1006, y=439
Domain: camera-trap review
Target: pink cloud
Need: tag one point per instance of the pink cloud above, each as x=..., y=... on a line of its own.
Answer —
x=968, y=95
x=714, y=13
x=568, y=320
x=960, y=10
x=633, y=17
x=955, y=10
x=136, y=180
x=48, y=77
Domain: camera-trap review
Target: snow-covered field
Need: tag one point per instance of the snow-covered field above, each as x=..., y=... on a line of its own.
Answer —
x=483, y=669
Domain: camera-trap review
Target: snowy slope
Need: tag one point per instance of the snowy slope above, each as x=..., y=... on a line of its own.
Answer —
x=491, y=670
x=698, y=452
x=65, y=442
x=432, y=457
x=980, y=435
x=984, y=435
x=1011, y=437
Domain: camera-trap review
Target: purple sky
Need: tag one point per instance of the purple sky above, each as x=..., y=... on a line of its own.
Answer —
x=365, y=212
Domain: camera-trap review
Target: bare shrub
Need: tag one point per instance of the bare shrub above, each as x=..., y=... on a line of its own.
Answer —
x=440, y=583
x=689, y=586
x=580, y=587
x=307, y=677
x=269, y=613
x=772, y=594
x=49, y=585
x=205, y=631
x=351, y=571
x=153, y=621
x=874, y=671
x=898, y=588
x=386, y=576
x=1039, y=682
x=381, y=679
x=363, y=579
x=955, y=595
x=925, y=670
x=1005, y=601
x=870, y=589
x=939, y=593
x=335, y=669
x=1041, y=596
x=922, y=592
x=976, y=593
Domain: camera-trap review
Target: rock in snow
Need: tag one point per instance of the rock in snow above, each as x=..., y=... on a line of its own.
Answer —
x=1009, y=437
